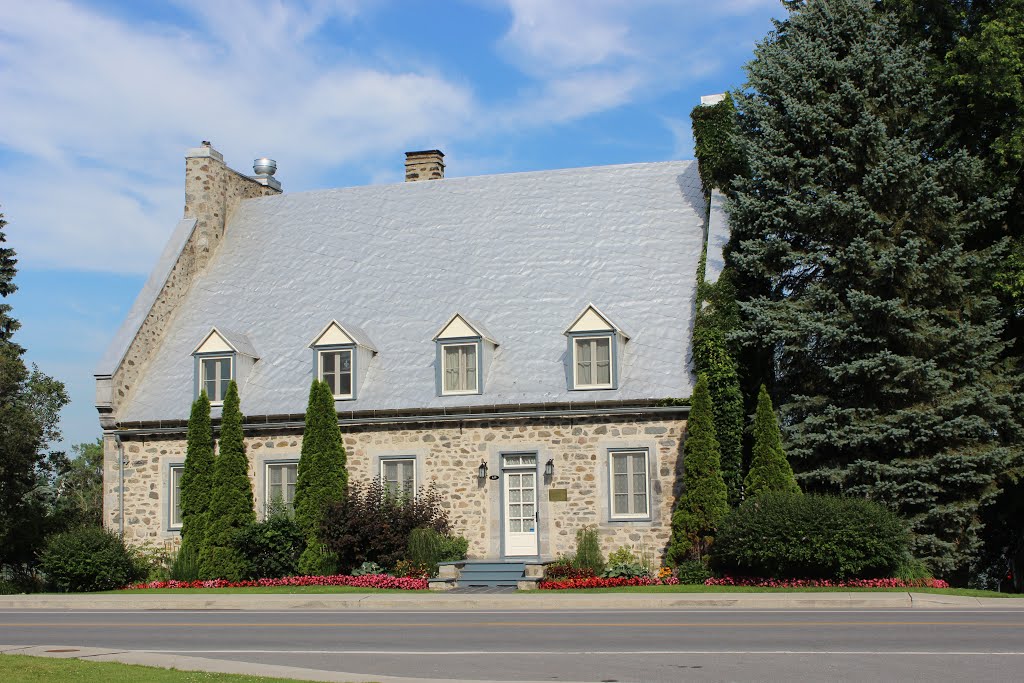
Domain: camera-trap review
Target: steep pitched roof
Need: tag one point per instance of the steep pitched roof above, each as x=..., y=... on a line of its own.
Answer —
x=525, y=252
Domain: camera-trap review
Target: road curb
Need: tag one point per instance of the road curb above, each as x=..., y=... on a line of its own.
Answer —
x=536, y=602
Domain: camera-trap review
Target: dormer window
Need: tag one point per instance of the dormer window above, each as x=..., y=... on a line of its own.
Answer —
x=216, y=373
x=340, y=357
x=464, y=349
x=593, y=362
x=593, y=353
x=461, y=368
x=220, y=357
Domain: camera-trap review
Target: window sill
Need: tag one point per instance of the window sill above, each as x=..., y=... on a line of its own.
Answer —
x=592, y=387
x=461, y=393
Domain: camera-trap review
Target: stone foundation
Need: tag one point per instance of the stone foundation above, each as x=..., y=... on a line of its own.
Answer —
x=448, y=457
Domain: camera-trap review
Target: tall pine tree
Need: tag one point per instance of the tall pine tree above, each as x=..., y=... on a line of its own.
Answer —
x=704, y=502
x=322, y=476
x=30, y=404
x=231, y=503
x=197, y=478
x=859, y=217
x=769, y=469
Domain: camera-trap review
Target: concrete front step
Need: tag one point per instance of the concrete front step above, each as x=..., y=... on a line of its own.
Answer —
x=490, y=573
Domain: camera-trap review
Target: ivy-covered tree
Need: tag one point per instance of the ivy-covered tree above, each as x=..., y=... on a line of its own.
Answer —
x=322, y=477
x=859, y=216
x=716, y=145
x=769, y=469
x=30, y=404
x=704, y=501
x=197, y=477
x=231, y=502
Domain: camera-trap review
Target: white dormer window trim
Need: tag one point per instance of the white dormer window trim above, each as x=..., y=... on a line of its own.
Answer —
x=466, y=358
x=336, y=372
x=594, y=348
x=460, y=365
x=590, y=354
x=337, y=341
x=216, y=387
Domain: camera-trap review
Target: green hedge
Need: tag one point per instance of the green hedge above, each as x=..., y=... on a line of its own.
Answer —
x=89, y=559
x=785, y=535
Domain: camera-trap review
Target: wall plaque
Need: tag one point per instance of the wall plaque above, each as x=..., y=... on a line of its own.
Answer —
x=558, y=495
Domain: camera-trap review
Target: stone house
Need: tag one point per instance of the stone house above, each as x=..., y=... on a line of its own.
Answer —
x=510, y=339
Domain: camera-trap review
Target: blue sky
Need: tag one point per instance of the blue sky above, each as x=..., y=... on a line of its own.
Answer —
x=101, y=99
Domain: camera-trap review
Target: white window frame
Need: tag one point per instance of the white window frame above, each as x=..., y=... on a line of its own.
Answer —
x=402, y=459
x=630, y=491
x=174, y=496
x=352, y=368
x=230, y=358
x=576, y=341
x=267, y=499
x=462, y=367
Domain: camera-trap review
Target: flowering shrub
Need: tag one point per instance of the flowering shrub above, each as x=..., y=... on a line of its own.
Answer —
x=365, y=581
x=825, y=583
x=598, y=582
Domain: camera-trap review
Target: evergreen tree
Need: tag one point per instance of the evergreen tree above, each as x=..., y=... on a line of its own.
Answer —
x=769, y=469
x=703, y=504
x=197, y=478
x=30, y=404
x=886, y=343
x=231, y=503
x=322, y=477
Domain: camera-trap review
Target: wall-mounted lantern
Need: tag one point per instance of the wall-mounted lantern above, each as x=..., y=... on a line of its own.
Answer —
x=481, y=472
x=549, y=468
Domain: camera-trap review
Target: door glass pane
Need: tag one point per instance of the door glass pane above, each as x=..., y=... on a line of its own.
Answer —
x=528, y=511
x=515, y=525
x=527, y=495
x=515, y=510
x=513, y=480
x=528, y=480
x=514, y=495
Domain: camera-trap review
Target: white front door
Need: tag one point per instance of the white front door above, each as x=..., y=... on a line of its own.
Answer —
x=520, y=504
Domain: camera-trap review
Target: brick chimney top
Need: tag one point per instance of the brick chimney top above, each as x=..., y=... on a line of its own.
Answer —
x=424, y=165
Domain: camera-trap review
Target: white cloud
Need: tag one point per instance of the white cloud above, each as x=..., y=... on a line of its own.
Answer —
x=101, y=111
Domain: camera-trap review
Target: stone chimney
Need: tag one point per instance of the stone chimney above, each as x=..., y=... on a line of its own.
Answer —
x=425, y=165
x=213, y=191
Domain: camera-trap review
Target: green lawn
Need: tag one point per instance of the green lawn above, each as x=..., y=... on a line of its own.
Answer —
x=22, y=669
x=969, y=592
x=267, y=589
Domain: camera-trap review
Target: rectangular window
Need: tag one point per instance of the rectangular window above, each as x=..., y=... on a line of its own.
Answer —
x=281, y=484
x=593, y=362
x=629, y=484
x=216, y=376
x=399, y=476
x=174, y=496
x=460, y=368
x=336, y=370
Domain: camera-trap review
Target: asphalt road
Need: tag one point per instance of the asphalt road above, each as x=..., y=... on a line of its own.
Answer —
x=662, y=645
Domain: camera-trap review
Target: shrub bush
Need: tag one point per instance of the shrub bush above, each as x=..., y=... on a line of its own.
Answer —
x=371, y=525
x=271, y=549
x=692, y=572
x=368, y=569
x=789, y=535
x=185, y=565
x=588, y=551
x=453, y=548
x=89, y=559
x=625, y=570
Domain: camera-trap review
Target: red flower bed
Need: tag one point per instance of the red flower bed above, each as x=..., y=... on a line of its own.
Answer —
x=598, y=582
x=367, y=581
x=825, y=583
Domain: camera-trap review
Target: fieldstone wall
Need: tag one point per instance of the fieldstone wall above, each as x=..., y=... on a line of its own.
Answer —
x=212, y=193
x=448, y=456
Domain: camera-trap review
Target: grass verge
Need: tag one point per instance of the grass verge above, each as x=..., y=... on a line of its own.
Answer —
x=24, y=669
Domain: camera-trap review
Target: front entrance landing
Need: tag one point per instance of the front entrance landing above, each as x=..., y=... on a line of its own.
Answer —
x=522, y=575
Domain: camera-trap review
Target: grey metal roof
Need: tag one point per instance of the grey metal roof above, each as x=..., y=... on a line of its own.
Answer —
x=236, y=340
x=522, y=253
